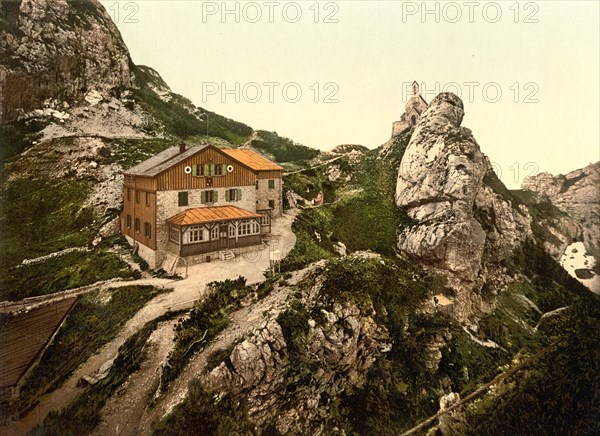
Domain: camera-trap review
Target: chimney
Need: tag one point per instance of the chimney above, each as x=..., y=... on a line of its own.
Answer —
x=182, y=147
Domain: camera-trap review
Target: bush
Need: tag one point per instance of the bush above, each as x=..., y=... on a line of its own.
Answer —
x=206, y=320
x=282, y=149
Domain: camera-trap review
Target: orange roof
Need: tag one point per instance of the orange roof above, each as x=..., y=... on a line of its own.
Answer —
x=252, y=159
x=205, y=215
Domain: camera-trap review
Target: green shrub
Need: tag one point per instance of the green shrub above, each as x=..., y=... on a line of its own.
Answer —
x=201, y=412
x=206, y=320
x=282, y=149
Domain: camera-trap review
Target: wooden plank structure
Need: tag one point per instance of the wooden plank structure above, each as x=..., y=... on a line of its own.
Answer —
x=25, y=336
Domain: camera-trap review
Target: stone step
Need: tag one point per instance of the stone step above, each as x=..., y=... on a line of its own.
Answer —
x=226, y=255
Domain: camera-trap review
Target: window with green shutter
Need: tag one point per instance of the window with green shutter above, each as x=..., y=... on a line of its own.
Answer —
x=183, y=199
x=194, y=170
x=227, y=195
x=271, y=184
x=239, y=194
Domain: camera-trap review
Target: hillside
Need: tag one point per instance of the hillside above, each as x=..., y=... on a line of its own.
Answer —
x=416, y=293
x=84, y=127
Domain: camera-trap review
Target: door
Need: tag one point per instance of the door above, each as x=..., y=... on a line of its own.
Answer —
x=224, y=235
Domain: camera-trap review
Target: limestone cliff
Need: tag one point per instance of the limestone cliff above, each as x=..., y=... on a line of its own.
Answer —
x=467, y=221
x=573, y=236
x=577, y=194
x=58, y=50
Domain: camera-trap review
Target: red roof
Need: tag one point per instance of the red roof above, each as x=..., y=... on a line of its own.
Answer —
x=203, y=215
x=252, y=159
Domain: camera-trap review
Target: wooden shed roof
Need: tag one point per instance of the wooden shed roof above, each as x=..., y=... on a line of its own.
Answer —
x=204, y=215
x=252, y=159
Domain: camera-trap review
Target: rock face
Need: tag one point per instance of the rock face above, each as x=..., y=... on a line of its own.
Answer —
x=448, y=187
x=342, y=345
x=577, y=194
x=574, y=238
x=58, y=49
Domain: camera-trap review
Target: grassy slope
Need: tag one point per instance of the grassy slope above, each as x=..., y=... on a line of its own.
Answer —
x=95, y=320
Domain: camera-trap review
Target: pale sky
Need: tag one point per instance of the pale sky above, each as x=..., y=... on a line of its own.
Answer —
x=543, y=57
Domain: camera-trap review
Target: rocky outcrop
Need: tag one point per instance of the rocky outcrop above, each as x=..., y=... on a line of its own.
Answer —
x=466, y=220
x=58, y=49
x=568, y=214
x=577, y=194
x=341, y=345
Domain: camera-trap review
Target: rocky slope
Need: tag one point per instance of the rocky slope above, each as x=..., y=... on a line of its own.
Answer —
x=466, y=226
x=567, y=207
x=577, y=194
x=59, y=50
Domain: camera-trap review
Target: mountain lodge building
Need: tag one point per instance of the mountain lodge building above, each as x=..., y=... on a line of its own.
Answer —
x=199, y=202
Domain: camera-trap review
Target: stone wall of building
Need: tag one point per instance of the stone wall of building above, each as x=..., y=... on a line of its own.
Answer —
x=398, y=127
x=264, y=194
x=146, y=253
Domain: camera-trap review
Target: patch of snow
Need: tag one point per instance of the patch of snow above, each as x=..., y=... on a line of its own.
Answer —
x=575, y=258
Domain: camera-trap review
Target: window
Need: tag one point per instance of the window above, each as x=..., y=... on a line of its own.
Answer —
x=248, y=228
x=148, y=230
x=195, y=234
x=128, y=221
x=271, y=184
x=183, y=199
x=265, y=219
x=231, y=230
x=210, y=197
x=137, y=225
x=272, y=204
x=128, y=194
x=174, y=234
x=218, y=169
x=233, y=195
x=137, y=196
x=214, y=233
x=147, y=199
x=257, y=184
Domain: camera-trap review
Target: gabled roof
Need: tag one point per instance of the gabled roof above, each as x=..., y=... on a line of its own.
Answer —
x=204, y=215
x=163, y=160
x=252, y=159
x=172, y=156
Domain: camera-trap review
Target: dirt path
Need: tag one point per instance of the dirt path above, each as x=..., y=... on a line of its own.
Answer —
x=242, y=322
x=185, y=293
x=123, y=412
x=315, y=166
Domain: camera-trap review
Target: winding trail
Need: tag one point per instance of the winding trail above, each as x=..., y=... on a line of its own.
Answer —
x=185, y=293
